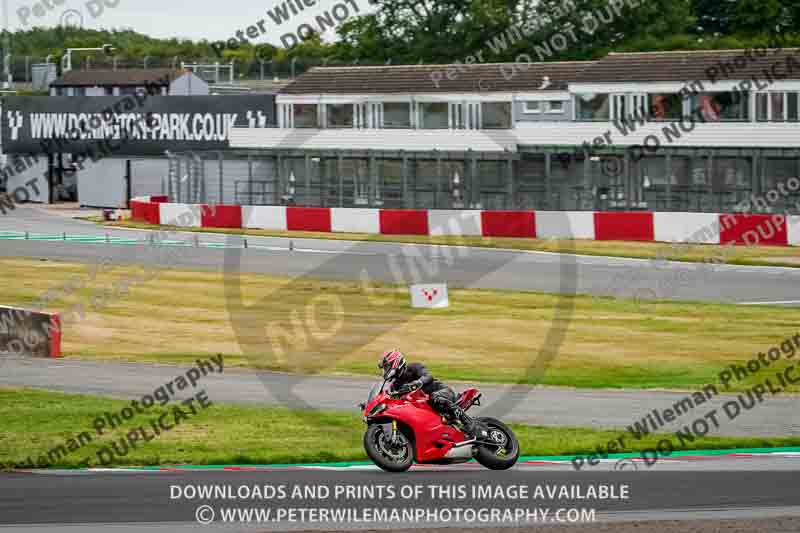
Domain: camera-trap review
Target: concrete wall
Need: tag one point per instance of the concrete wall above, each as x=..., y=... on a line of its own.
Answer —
x=188, y=85
x=25, y=170
x=102, y=183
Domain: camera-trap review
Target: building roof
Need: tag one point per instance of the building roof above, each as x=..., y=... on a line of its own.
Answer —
x=116, y=78
x=683, y=66
x=415, y=79
x=687, y=66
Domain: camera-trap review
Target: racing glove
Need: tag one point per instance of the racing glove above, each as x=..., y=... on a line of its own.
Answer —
x=410, y=387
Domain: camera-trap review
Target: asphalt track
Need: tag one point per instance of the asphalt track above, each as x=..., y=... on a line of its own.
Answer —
x=674, y=495
x=776, y=416
x=459, y=266
x=685, y=490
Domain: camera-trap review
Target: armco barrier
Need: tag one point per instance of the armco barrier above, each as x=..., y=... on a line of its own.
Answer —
x=264, y=217
x=404, y=222
x=704, y=228
x=793, y=230
x=181, y=215
x=146, y=211
x=750, y=229
x=508, y=223
x=138, y=208
x=623, y=226
x=308, y=219
x=221, y=216
x=26, y=332
x=355, y=220
x=565, y=225
x=454, y=222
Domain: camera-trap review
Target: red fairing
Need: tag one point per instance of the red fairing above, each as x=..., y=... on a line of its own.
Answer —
x=432, y=436
x=467, y=398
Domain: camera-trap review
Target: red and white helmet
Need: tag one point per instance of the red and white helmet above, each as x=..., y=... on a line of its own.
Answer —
x=392, y=363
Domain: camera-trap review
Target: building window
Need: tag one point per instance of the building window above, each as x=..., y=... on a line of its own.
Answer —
x=731, y=173
x=79, y=91
x=108, y=91
x=339, y=116
x=433, y=115
x=396, y=115
x=777, y=107
x=724, y=106
x=792, y=107
x=593, y=106
x=458, y=119
x=496, y=115
x=305, y=116
x=550, y=106
x=532, y=107
x=762, y=107
x=665, y=106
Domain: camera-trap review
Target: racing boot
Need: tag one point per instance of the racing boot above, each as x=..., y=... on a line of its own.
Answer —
x=472, y=429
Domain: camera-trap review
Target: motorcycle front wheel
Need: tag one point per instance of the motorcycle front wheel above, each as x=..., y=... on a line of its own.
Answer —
x=501, y=449
x=390, y=456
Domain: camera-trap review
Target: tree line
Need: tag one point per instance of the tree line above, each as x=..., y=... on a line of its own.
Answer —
x=443, y=31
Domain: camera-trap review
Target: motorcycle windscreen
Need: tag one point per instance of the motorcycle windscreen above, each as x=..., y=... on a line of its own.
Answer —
x=374, y=391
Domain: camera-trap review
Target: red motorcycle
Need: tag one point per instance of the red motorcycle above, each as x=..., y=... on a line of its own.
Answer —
x=403, y=429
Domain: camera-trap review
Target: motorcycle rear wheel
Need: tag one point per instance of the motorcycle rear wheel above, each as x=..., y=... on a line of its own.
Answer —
x=503, y=455
x=392, y=458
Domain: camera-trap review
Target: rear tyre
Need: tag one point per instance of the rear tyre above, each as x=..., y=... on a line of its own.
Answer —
x=392, y=457
x=502, y=449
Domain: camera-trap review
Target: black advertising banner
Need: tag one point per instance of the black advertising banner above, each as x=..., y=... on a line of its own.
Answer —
x=137, y=124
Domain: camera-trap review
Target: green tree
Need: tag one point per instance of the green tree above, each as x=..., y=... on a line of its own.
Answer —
x=757, y=16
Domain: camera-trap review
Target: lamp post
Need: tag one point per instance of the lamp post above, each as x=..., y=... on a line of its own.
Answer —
x=7, y=47
x=66, y=60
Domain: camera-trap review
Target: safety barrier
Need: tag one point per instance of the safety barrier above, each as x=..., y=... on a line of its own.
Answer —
x=27, y=332
x=754, y=229
x=621, y=226
x=703, y=228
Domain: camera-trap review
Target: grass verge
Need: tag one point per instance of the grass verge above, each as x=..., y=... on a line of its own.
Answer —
x=696, y=253
x=37, y=422
x=485, y=335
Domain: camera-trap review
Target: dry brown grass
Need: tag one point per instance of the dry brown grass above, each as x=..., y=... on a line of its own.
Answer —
x=485, y=335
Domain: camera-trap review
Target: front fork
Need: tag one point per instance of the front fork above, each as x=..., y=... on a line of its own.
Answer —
x=394, y=433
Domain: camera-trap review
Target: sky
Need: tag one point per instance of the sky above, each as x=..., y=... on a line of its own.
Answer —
x=193, y=19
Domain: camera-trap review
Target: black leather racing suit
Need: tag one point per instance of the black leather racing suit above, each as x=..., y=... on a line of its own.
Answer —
x=442, y=398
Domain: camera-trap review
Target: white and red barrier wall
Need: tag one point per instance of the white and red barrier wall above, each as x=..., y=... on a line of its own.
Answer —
x=29, y=332
x=704, y=228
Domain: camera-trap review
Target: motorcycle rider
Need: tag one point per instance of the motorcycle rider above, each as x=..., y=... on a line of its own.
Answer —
x=405, y=378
